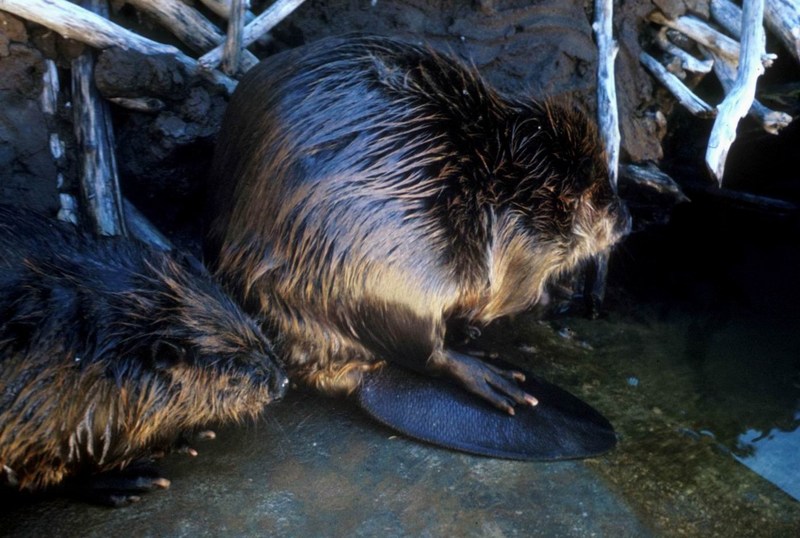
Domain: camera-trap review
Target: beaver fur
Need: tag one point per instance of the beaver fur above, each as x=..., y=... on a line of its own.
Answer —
x=109, y=348
x=366, y=193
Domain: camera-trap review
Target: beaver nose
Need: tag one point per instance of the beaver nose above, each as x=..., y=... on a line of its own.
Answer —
x=278, y=384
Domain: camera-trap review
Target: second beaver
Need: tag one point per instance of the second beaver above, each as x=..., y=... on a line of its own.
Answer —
x=366, y=193
x=109, y=349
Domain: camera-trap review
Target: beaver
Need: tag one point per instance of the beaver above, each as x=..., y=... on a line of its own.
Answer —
x=366, y=194
x=110, y=348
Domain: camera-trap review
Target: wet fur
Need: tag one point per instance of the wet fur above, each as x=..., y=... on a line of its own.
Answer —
x=365, y=192
x=108, y=348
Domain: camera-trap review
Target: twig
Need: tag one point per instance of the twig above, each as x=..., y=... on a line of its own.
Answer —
x=684, y=95
x=772, y=121
x=262, y=24
x=687, y=61
x=738, y=101
x=99, y=180
x=188, y=25
x=606, y=89
x=142, y=229
x=233, y=43
x=74, y=22
x=783, y=19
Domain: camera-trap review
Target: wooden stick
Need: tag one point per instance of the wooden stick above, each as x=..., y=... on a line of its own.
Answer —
x=738, y=101
x=232, y=51
x=262, y=24
x=650, y=177
x=222, y=8
x=73, y=22
x=608, y=119
x=99, y=180
x=728, y=15
x=701, y=32
x=51, y=88
x=684, y=95
x=144, y=230
x=187, y=24
x=783, y=20
x=772, y=121
x=687, y=61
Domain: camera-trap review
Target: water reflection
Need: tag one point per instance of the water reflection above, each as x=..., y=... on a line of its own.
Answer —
x=774, y=455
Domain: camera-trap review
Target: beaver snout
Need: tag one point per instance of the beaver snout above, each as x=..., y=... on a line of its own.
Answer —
x=278, y=383
x=624, y=221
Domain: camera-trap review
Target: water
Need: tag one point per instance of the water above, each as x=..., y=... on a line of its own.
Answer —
x=695, y=362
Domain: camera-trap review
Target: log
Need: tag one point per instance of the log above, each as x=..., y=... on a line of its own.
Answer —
x=232, y=51
x=684, y=95
x=99, y=181
x=783, y=20
x=188, y=25
x=772, y=121
x=73, y=22
x=738, y=102
x=262, y=24
x=608, y=119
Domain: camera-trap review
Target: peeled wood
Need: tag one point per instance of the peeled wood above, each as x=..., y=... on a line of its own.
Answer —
x=728, y=15
x=232, y=52
x=262, y=24
x=783, y=19
x=98, y=166
x=74, y=22
x=687, y=61
x=739, y=100
x=143, y=230
x=188, y=25
x=701, y=32
x=772, y=121
x=684, y=95
x=608, y=118
x=222, y=8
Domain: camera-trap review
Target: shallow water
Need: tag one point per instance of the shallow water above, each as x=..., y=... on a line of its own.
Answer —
x=695, y=362
x=315, y=466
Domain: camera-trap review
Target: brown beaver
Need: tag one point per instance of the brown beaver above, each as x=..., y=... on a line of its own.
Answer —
x=367, y=193
x=109, y=348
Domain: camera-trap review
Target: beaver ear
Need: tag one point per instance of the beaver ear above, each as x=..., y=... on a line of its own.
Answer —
x=165, y=354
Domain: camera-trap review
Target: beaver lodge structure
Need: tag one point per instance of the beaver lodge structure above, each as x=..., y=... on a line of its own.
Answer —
x=109, y=109
x=162, y=70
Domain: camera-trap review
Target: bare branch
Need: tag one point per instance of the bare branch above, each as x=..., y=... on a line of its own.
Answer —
x=684, y=95
x=738, y=101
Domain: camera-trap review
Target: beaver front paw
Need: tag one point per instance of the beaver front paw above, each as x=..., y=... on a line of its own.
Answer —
x=495, y=385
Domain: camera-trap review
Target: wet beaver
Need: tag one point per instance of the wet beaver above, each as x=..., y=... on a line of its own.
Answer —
x=366, y=193
x=109, y=348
